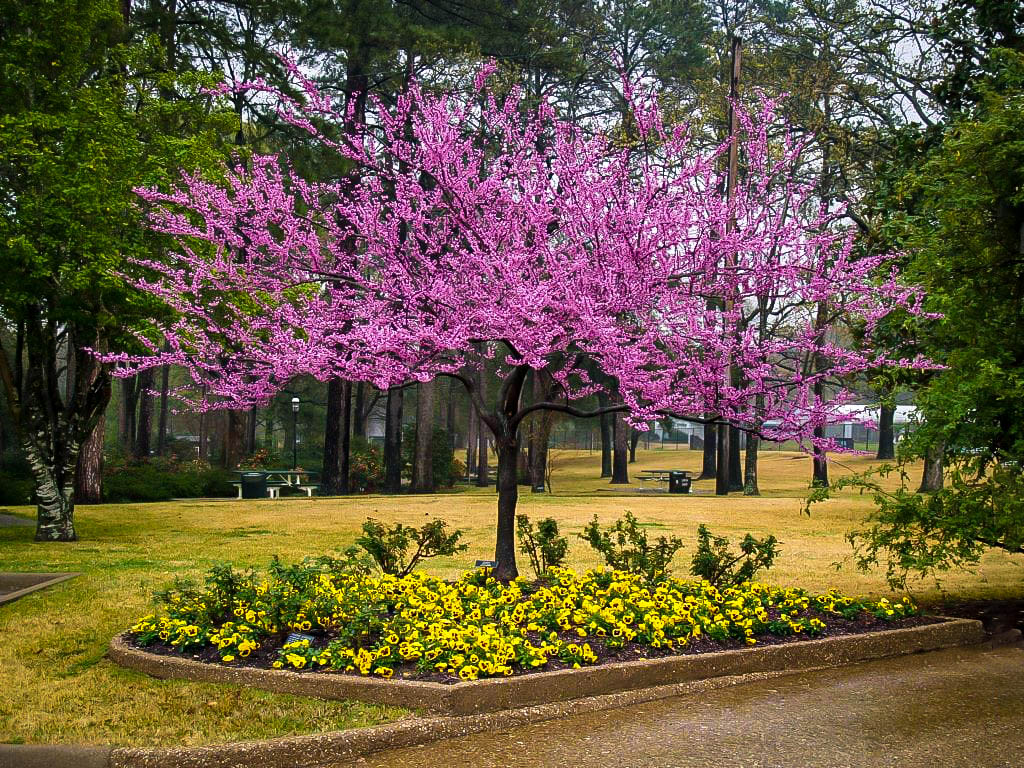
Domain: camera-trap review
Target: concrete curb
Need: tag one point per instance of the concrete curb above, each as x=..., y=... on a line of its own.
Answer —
x=28, y=583
x=506, y=693
x=626, y=684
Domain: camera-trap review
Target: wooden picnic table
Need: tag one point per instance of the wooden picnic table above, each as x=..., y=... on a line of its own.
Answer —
x=279, y=478
x=662, y=475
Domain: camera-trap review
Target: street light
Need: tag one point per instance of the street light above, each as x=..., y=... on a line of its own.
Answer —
x=295, y=433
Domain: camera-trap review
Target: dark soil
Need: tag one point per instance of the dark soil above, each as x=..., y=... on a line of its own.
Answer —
x=264, y=656
x=998, y=616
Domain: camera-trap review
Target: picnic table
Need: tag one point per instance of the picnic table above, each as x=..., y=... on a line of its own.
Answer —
x=276, y=479
x=679, y=480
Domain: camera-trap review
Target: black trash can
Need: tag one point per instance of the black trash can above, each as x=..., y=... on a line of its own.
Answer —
x=254, y=485
x=678, y=482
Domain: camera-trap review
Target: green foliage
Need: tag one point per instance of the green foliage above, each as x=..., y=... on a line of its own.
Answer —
x=163, y=479
x=542, y=544
x=925, y=534
x=625, y=547
x=715, y=562
x=389, y=545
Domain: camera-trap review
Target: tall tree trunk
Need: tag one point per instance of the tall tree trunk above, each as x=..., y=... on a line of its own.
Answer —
x=472, y=422
x=508, y=496
x=359, y=412
x=126, y=414
x=423, y=452
x=750, y=467
x=234, y=439
x=723, y=460
x=606, y=436
x=449, y=420
x=89, y=469
x=819, y=476
x=886, y=442
x=144, y=429
x=931, y=478
x=709, y=468
x=483, y=470
x=250, y=431
x=393, y=441
x=620, y=459
x=735, y=465
x=162, y=421
x=334, y=477
x=634, y=441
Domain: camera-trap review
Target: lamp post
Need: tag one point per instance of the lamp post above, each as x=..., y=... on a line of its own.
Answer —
x=295, y=433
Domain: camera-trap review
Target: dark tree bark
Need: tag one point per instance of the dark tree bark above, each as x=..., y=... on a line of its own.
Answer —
x=750, y=467
x=735, y=463
x=162, y=421
x=886, y=442
x=634, y=441
x=472, y=424
x=393, y=442
x=931, y=478
x=607, y=420
x=449, y=419
x=359, y=412
x=250, y=431
x=334, y=476
x=234, y=439
x=126, y=420
x=709, y=468
x=423, y=452
x=89, y=469
x=620, y=457
x=482, y=430
x=144, y=429
x=723, y=460
x=819, y=477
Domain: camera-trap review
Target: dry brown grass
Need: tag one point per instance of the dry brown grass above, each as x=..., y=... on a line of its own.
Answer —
x=57, y=686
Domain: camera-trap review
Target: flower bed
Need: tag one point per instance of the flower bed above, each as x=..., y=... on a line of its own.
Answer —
x=420, y=627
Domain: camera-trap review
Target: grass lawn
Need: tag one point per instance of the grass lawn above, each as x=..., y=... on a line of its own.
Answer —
x=58, y=687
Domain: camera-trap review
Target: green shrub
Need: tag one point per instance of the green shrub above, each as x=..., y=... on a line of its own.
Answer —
x=625, y=547
x=160, y=479
x=389, y=545
x=542, y=545
x=713, y=560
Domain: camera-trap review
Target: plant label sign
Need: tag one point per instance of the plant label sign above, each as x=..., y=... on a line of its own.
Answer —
x=486, y=564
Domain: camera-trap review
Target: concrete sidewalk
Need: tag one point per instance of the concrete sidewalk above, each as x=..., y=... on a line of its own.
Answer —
x=962, y=707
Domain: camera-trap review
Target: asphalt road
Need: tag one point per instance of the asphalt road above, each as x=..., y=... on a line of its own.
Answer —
x=962, y=707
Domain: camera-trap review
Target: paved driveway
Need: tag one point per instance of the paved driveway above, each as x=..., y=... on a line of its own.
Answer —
x=948, y=708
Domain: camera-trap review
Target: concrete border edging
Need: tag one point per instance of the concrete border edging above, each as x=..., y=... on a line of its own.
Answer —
x=33, y=582
x=508, y=693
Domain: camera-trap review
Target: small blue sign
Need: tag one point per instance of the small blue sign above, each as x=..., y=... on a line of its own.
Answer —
x=486, y=563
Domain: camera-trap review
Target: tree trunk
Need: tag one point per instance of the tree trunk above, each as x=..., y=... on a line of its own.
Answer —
x=819, y=477
x=735, y=465
x=482, y=469
x=234, y=439
x=250, y=431
x=634, y=441
x=89, y=468
x=423, y=452
x=932, y=479
x=472, y=422
x=750, y=467
x=126, y=414
x=449, y=420
x=709, y=468
x=606, y=437
x=620, y=459
x=162, y=422
x=144, y=428
x=334, y=476
x=722, y=460
x=359, y=412
x=886, y=443
x=393, y=442
x=508, y=497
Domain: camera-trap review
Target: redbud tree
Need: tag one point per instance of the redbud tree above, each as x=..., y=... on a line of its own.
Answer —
x=476, y=227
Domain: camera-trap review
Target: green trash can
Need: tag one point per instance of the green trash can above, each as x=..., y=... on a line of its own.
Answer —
x=254, y=485
x=678, y=482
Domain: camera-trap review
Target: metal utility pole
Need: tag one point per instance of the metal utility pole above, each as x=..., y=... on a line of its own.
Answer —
x=725, y=447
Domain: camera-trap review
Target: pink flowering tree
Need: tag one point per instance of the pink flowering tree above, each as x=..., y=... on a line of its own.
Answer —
x=483, y=229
